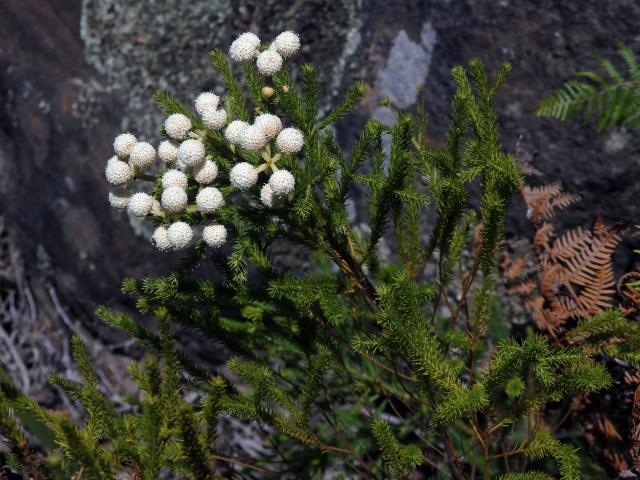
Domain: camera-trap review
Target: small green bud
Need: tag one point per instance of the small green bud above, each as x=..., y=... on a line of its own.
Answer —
x=268, y=92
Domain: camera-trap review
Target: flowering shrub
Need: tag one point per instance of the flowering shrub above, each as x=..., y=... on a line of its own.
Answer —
x=361, y=365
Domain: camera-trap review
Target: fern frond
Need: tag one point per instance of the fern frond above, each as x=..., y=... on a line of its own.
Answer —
x=611, y=102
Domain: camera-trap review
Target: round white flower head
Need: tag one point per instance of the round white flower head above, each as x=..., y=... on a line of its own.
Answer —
x=290, y=140
x=191, y=152
x=214, y=235
x=233, y=131
x=267, y=197
x=174, y=199
x=180, y=234
x=214, y=119
x=140, y=204
x=123, y=144
x=177, y=126
x=142, y=155
x=282, y=183
x=117, y=172
x=119, y=200
x=174, y=178
x=269, y=63
x=181, y=166
x=206, y=101
x=253, y=138
x=287, y=44
x=244, y=47
x=160, y=239
x=243, y=175
x=168, y=152
x=209, y=199
x=270, y=124
x=206, y=172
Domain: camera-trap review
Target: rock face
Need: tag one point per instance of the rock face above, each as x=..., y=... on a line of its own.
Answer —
x=75, y=73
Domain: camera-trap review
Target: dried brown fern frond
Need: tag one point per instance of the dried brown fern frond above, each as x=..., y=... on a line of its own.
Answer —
x=524, y=288
x=543, y=235
x=629, y=293
x=539, y=201
x=607, y=427
x=632, y=378
x=544, y=201
x=563, y=200
x=517, y=267
x=592, y=270
x=617, y=461
x=570, y=244
x=565, y=277
x=552, y=278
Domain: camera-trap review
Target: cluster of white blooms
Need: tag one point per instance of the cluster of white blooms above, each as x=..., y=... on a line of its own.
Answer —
x=121, y=171
x=269, y=60
x=183, y=191
x=266, y=127
x=187, y=176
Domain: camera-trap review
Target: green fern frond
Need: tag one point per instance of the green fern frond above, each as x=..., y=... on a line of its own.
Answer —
x=611, y=102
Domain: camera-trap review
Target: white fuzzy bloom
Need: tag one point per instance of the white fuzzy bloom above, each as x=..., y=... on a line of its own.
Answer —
x=214, y=119
x=206, y=172
x=206, y=101
x=119, y=200
x=244, y=47
x=123, y=144
x=191, y=152
x=290, y=140
x=180, y=234
x=168, y=152
x=209, y=199
x=140, y=204
x=234, y=130
x=269, y=63
x=117, y=172
x=142, y=155
x=160, y=239
x=287, y=44
x=243, y=175
x=177, y=126
x=174, y=199
x=174, y=178
x=214, y=235
x=270, y=124
x=282, y=183
x=181, y=166
x=253, y=138
x=267, y=197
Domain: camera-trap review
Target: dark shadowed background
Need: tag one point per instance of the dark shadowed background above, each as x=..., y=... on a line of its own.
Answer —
x=74, y=73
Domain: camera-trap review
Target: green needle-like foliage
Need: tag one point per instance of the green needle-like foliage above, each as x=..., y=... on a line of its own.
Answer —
x=373, y=364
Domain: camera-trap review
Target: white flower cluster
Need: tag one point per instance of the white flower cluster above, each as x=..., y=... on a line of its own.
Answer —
x=268, y=61
x=191, y=163
x=189, y=171
x=266, y=127
x=184, y=192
